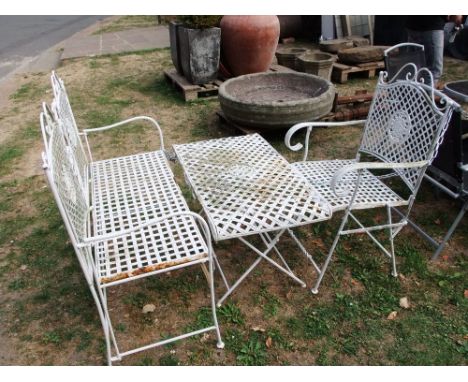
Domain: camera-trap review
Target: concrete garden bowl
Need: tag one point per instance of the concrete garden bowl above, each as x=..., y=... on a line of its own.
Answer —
x=319, y=64
x=275, y=100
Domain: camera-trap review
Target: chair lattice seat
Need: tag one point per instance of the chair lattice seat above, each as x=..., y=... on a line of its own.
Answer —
x=372, y=192
x=127, y=192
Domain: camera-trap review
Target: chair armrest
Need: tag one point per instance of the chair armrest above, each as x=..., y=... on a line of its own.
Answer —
x=370, y=165
x=91, y=241
x=125, y=122
x=310, y=126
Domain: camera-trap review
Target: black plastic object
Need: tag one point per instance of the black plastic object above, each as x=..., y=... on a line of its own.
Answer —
x=458, y=90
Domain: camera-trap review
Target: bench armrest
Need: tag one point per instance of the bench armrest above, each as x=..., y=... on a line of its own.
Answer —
x=125, y=122
x=310, y=126
x=369, y=165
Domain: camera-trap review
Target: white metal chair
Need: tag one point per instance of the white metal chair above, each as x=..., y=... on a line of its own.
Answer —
x=126, y=216
x=404, y=128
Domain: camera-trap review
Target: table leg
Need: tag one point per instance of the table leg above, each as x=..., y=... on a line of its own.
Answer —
x=271, y=244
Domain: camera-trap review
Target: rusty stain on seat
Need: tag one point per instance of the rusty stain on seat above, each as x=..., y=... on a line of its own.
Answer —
x=151, y=268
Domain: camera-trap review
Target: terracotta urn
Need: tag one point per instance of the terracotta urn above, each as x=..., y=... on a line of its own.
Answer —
x=248, y=43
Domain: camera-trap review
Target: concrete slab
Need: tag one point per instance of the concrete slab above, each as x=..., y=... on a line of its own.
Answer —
x=45, y=62
x=116, y=42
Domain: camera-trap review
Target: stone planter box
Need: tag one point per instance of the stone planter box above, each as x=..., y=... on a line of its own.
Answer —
x=174, y=42
x=287, y=57
x=199, y=53
x=319, y=64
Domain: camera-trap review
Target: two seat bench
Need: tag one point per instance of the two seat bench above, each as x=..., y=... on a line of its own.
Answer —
x=126, y=216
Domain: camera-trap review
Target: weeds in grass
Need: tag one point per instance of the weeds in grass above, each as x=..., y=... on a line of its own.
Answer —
x=437, y=333
x=268, y=301
x=85, y=341
x=108, y=100
x=94, y=64
x=27, y=91
x=413, y=261
x=230, y=313
x=233, y=339
x=121, y=327
x=137, y=300
x=52, y=337
x=252, y=353
x=278, y=339
x=146, y=361
x=8, y=153
x=17, y=284
x=168, y=360
x=316, y=322
x=15, y=147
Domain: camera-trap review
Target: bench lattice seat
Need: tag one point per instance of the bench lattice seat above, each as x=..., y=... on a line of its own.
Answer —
x=124, y=193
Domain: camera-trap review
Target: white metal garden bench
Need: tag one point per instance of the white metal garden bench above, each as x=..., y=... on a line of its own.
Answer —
x=126, y=216
x=404, y=128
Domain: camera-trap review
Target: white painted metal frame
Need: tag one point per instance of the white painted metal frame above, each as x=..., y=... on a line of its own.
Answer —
x=404, y=128
x=247, y=188
x=403, y=45
x=126, y=217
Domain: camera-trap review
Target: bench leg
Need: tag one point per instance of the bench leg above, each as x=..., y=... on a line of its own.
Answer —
x=220, y=343
x=101, y=303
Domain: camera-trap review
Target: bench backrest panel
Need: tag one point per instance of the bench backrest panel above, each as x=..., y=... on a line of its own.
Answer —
x=64, y=177
x=64, y=116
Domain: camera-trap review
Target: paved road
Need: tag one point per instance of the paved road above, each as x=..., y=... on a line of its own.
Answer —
x=24, y=37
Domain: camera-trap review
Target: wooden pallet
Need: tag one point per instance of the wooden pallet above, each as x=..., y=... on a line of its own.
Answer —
x=341, y=72
x=190, y=91
x=234, y=126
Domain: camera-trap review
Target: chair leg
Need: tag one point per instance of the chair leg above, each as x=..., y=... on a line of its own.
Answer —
x=392, y=247
x=451, y=230
x=314, y=290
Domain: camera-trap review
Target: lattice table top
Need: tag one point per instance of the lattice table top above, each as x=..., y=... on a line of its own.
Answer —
x=246, y=187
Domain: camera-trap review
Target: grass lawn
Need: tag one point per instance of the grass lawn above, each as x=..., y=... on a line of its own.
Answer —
x=47, y=315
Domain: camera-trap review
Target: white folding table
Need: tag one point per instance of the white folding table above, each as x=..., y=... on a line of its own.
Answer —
x=247, y=188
